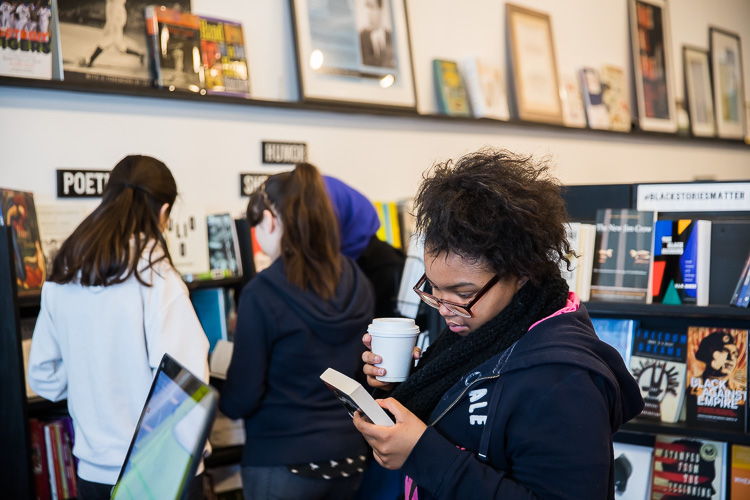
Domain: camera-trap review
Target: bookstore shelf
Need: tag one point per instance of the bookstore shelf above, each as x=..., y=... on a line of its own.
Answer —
x=355, y=108
x=711, y=312
x=683, y=429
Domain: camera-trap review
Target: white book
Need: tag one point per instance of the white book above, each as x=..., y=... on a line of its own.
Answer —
x=485, y=85
x=355, y=397
x=633, y=464
x=586, y=261
x=57, y=221
x=50, y=462
x=187, y=239
x=597, y=115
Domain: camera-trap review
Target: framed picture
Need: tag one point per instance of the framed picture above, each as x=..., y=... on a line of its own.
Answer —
x=535, y=82
x=652, y=65
x=728, y=83
x=698, y=92
x=356, y=52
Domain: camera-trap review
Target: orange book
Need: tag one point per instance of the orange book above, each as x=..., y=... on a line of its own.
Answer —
x=740, y=476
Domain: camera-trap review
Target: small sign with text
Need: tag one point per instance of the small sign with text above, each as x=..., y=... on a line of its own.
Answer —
x=81, y=183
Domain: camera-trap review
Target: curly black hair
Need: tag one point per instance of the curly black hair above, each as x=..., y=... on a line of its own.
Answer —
x=497, y=208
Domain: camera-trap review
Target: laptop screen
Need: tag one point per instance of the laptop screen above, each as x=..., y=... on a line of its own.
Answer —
x=170, y=436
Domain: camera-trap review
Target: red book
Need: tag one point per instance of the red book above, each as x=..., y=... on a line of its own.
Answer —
x=39, y=460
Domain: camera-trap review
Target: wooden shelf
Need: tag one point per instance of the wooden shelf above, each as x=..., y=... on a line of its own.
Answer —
x=353, y=108
x=683, y=429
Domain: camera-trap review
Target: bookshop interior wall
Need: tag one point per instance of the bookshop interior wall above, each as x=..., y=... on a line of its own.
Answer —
x=208, y=144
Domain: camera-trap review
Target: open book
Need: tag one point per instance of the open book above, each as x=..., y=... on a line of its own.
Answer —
x=355, y=397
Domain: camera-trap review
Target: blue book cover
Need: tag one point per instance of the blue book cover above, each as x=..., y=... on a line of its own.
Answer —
x=618, y=333
x=210, y=307
x=682, y=253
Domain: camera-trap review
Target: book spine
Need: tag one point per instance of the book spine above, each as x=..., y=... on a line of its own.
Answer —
x=49, y=444
x=60, y=460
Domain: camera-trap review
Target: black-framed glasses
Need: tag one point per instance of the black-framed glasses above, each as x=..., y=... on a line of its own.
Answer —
x=463, y=310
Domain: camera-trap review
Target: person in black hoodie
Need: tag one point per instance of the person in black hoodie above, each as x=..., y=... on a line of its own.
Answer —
x=517, y=397
x=295, y=319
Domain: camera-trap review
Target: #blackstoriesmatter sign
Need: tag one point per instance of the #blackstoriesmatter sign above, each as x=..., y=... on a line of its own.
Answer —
x=81, y=183
x=694, y=197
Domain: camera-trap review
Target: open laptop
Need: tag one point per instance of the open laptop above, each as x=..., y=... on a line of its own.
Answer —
x=170, y=436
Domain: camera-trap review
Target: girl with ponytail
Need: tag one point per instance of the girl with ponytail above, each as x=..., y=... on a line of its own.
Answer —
x=298, y=317
x=111, y=307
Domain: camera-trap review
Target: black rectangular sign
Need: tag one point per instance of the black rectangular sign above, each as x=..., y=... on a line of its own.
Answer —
x=81, y=183
x=286, y=153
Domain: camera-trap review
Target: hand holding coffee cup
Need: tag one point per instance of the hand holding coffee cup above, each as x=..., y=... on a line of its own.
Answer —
x=393, y=341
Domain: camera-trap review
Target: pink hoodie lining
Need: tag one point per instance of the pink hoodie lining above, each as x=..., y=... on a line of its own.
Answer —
x=572, y=305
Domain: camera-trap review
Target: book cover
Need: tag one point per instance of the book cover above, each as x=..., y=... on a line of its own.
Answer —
x=688, y=468
x=210, y=307
x=57, y=221
x=658, y=364
x=224, y=60
x=574, y=114
x=39, y=460
x=570, y=275
x=223, y=248
x=187, y=240
x=618, y=333
x=615, y=97
x=741, y=295
x=485, y=86
x=717, y=377
x=682, y=258
x=175, y=48
x=53, y=476
x=104, y=42
x=355, y=397
x=740, y=473
x=450, y=89
x=597, y=115
x=26, y=39
x=633, y=464
x=27, y=332
x=18, y=212
x=622, y=255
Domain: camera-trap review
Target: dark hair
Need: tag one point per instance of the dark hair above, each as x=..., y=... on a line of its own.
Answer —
x=100, y=252
x=711, y=343
x=310, y=241
x=498, y=208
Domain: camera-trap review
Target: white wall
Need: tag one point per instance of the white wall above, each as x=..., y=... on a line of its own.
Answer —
x=208, y=144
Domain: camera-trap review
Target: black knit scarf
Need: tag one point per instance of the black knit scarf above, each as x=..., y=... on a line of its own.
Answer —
x=450, y=357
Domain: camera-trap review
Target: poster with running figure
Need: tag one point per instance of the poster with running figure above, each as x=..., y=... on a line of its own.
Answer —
x=104, y=41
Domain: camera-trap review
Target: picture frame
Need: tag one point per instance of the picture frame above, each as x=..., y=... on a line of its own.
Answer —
x=698, y=93
x=652, y=65
x=535, y=78
x=728, y=83
x=357, y=53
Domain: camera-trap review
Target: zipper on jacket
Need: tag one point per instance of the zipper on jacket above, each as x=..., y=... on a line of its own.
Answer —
x=461, y=395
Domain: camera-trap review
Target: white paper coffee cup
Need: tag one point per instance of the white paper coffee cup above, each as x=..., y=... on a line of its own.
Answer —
x=393, y=339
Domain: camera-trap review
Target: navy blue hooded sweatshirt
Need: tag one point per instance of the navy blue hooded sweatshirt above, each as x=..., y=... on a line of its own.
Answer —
x=285, y=338
x=535, y=421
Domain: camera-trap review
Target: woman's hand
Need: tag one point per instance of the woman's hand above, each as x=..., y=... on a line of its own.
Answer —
x=372, y=371
x=392, y=445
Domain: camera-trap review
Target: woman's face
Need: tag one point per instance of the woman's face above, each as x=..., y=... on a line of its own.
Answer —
x=457, y=280
x=725, y=360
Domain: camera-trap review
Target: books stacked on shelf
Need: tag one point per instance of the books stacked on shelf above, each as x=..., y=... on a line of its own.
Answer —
x=187, y=239
x=52, y=458
x=57, y=221
x=485, y=86
x=452, y=97
x=688, y=468
x=224, y=60
x=622, y=256
x=741, y=295
x=633, y=464
x=215, y=309
x=17, y=211
x=581, y=238
x=658, y=363
x=26, y=39
x=615, y=97
x=618, y=333
x=597, y=115
x=740, y=473
x=174, y=40
x=390, y=225
x=682, y=257
x=223, y=248
x=717, y=378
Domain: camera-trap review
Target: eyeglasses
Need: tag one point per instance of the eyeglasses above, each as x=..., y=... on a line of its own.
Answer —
x=463, y=310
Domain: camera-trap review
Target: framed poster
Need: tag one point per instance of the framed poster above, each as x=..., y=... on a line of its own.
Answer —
x=652, y=65
x=535, y=82
x=355, y=52
x=698, y=92
x=729, y=86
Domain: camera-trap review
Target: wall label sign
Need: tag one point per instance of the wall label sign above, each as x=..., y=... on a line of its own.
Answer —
x=249, y=182
x=694, y=197
x=81, y=183
x=286, y=153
